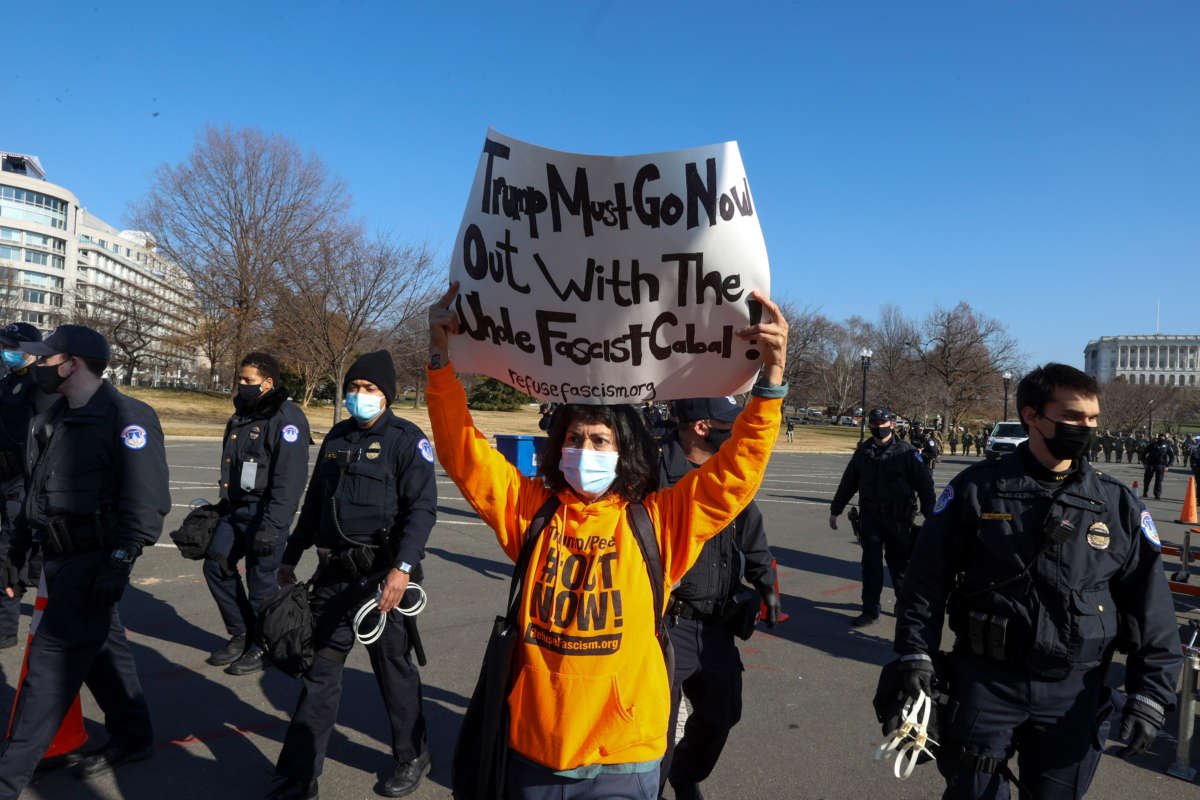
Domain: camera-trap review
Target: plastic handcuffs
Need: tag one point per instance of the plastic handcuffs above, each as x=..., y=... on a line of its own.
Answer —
x=910, y=739
x=372, y=636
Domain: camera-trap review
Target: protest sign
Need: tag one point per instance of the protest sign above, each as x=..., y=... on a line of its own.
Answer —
x=594, y=279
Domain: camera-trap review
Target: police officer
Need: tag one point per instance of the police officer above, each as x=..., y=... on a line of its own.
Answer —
x=953, y=440
x=886, y=473
x=1107, y=441
x=980, y=440
x=264, y=464
x=967, y=441
x=20, y=399
x=1157, y=456
x=369, y=509
x=1130, y=447
x=1045, y=566
x=708, y=603
x=1094, y=450
x=97, y=494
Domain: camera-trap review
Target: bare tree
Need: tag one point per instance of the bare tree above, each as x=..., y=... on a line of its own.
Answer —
x=963, y=354
x=233, y=212
x=131, y=325
x=897, y=378
x=346, y=288
x=810, y=334
x=842, y=372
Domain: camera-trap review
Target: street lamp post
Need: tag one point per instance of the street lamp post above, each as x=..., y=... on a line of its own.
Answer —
x=866, y=362
x=1007, y=377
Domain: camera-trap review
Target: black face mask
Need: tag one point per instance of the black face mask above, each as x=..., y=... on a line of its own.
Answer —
x=1069, y=441
x=248, y=394
x=881, y=433
x=716, y=437
x=47, y=378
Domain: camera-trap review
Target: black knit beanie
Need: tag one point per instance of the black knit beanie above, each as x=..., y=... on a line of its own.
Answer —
x=377, y=368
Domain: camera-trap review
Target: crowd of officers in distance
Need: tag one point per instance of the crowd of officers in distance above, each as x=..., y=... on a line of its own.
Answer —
x=1049, y=566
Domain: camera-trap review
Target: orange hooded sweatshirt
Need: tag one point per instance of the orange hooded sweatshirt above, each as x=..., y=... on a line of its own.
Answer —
x=591, y=686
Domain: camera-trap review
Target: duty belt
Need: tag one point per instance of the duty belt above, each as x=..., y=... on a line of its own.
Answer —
x=69, y=534
x=685, y=610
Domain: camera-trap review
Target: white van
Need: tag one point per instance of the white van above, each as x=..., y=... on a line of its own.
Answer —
x=1004, y=439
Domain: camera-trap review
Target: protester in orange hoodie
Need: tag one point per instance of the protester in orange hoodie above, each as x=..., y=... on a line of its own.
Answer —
x=588, y=707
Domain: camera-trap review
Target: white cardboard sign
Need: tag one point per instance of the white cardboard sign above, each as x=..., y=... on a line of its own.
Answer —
x=595, y=279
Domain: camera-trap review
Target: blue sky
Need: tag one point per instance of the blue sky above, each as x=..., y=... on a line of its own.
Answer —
x=1037, y=160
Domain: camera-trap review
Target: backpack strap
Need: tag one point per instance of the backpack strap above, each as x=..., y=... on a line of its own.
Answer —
x=643, y=531
x=540, y=520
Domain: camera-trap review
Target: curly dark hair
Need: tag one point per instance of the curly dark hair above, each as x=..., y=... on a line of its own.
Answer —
x=637, y=462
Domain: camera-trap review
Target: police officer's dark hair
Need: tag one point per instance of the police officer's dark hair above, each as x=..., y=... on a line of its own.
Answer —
x=265, y=363
x=1037, y=388
x=637, y=462
x=96, y=366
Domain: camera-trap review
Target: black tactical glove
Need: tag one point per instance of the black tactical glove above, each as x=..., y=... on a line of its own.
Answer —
x=264, y=542
x=1140, y=724
x=112, y=579
x=916, y=674
x=771, y=601
x=10, y=578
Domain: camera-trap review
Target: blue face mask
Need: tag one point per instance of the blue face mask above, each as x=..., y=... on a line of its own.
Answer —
x=364, y=407
x=13, y=359
x=588, y=472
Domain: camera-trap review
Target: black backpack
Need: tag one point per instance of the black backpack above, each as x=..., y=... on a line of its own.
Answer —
x=285, y=626
x=196, y=531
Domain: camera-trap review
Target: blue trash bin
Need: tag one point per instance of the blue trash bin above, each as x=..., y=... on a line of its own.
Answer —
x=523, y=452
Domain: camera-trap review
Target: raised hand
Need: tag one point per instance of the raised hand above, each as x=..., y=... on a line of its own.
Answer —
x=771, y=336
x=443, y=323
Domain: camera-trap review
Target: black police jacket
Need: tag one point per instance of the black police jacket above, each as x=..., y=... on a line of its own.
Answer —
x=886, y=476
x=106, y=459
x=1102, y=587
x=719, y=569
x=1158, y=454
x=264, y=459
x=382, y=484
x=20, y=400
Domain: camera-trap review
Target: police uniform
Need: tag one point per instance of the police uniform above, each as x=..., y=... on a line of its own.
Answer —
x=1045, y=577
x=20, y=400
x=1106, y=441
x=1157, y=456
x=980, y=441
x=885, y=476
x=97, y=494
x=264, y=464
x=370, y=507
x=701, y=613
x=967, y=441
x=1130, y=448
x=953, y=440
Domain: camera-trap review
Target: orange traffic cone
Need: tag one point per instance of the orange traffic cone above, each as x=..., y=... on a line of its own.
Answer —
x=1188, y=516
x=71, y=734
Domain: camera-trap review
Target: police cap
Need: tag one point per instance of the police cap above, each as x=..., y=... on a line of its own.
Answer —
x=14, y=333
x=75, y=340
x=879, y=415
x=722, y=409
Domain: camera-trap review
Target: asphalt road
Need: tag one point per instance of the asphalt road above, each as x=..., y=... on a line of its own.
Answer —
x=808, y=730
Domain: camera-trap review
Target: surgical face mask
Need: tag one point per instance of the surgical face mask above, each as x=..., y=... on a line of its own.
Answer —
x=588, y=472
x=717, y=437
x=1069, y=441
x=364, y=407
x=881, y=432
x=13, y=359
x=47, y=378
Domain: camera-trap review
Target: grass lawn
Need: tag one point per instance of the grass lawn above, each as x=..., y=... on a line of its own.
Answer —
x=188, y=413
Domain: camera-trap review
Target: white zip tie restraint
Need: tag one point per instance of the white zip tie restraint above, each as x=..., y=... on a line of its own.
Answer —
x=910, y=739
x=372, y=636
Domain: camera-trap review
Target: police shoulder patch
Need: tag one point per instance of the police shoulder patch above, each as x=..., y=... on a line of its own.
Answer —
x=425, y=449
x=1149, y=531
x=945, y=500
x=134, y=437
x=290, y=433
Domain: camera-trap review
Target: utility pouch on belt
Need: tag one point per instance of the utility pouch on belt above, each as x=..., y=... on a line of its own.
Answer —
x=987, y=635
x=977, y=625
x=997, y=631
x=58, y=539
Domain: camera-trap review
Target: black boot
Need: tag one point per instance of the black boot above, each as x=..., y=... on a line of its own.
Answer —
x=865, y=618
x=230, y=653
x=253, y=660
x=114, y=754
x=290, y=790
x=407, y=777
